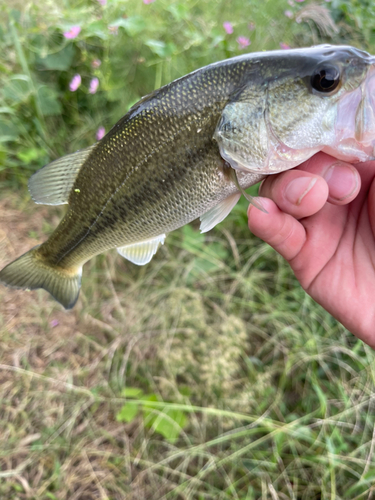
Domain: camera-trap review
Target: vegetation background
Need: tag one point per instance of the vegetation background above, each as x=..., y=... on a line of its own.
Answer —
x=209, y=373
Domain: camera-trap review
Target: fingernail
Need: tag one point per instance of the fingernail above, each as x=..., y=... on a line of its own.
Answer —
x=342, y=181
x=298, y=188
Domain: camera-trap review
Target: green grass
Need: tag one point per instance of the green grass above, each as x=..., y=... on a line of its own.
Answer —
x=207, y=374
x=276, y=396
x=40, y=119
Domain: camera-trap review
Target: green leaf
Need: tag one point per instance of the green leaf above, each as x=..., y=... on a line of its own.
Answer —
x=149, y=397
x=171, y=425
x=132, y=25
x=17, y=89
x=29, y=155
x=216, y=40
x=157, y=47
x=179, y=11
x=160, y=48
x=7, y=110
x=99, y=29
x=280, y=439
x=321, y=395
x=168, y=422
x=49, y=104
x=185, y=390
x=8, y=131
x=361, y=485
x=3, y=157
x=50, y=495
x=60, y=61
x=148, y=410
x=132, y=392
x=128, y=412
x=370, y=476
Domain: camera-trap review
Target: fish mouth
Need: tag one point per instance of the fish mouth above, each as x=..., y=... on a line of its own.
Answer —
x=355, y=122
x=365, y=115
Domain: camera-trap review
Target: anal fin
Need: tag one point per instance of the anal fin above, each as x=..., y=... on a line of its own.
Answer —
x=141, y=253
x=218, y=213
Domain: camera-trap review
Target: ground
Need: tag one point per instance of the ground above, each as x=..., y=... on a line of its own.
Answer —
x=272, y=398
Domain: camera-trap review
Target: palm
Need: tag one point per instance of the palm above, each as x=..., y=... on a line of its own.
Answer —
x=330, y=246
x=340, y=247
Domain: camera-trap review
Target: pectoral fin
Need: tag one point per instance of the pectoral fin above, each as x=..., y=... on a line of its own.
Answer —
x=52, y=184
x=257, y=203
x=142, y=252
x=218, y=213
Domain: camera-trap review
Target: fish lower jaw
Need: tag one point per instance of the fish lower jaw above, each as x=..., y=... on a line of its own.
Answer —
x=277, y=160
x=348, y=150
x=351, y=151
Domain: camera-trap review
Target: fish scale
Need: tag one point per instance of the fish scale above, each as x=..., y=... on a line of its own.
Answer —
x=188, y=150
x=135, y=182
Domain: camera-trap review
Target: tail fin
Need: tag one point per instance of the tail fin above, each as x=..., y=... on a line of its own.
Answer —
x=31, y=271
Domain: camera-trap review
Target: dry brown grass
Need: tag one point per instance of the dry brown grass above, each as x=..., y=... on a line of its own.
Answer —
x=62, y=372
x=57, y=441
x=273, y=388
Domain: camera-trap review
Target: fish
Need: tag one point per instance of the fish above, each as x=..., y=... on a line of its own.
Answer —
x=189, y=149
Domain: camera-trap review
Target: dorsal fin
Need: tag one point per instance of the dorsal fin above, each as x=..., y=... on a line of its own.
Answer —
x=52, y=184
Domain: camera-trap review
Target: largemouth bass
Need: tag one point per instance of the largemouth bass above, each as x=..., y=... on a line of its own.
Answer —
x=188, y=150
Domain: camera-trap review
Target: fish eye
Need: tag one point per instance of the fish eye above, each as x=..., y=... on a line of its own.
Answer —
x=325, y=79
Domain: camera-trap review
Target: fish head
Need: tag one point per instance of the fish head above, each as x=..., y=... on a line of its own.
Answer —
x=294, y=104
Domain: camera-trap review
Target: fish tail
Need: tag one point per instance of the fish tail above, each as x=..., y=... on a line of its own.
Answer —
x=32, y=270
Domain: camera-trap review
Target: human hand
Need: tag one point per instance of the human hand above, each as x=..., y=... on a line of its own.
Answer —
x=321, y=219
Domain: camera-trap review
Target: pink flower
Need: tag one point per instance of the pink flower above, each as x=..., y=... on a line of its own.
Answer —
x=96, y=63
x=73, y=32
x=100, y=133
x=148, y=1
x=94, y=84
x=300, y=0
x=228, y=27
x=75, y=83
x=54, y=323
x=289, y=14
x=102, y=2
x=113, y=30
x=284, y=46
x=243, y=42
